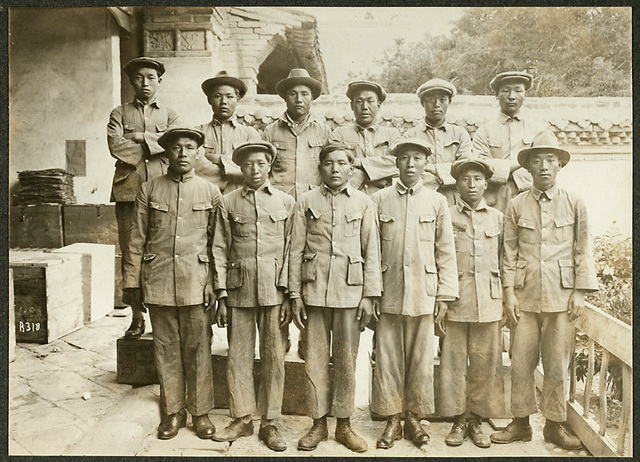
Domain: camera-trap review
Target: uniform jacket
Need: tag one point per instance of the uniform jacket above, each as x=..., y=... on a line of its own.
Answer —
x=371, y=145
x=249, y=246
x=295, y=169
x=221, y=138
x=334, y=256
x=547, y=249
x=478, y=237
x=448, y=143
x=170, y=245
x=418, y=250
x=137, y=163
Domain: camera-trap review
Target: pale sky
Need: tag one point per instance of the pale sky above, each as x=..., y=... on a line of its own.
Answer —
x=351, y=38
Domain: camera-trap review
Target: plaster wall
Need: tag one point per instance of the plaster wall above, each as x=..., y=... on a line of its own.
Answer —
x=63, y=82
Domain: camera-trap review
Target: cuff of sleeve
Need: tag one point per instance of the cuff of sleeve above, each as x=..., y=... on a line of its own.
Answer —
x=444, y=172
x=501, y=170
x=508, y=280
x=446, y=298
x=522, y=179
x=221, y=293
x=293, y=295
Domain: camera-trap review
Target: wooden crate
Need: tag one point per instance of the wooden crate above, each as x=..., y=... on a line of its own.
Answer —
x=91, y=223
x=47, y=294
x=12, y=320
x=35, y=226
x=135, y=361
x=98, y=262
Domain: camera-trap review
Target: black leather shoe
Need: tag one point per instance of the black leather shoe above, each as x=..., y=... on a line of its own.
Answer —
x=558, y=434
x=317, y=433
x=348, y=438
x=236, y=429
x=170, y=425
x=203, y=426
x=513, y=432
x=271, y=437
x=413, y=430
x=136, y=329
x=392, y=433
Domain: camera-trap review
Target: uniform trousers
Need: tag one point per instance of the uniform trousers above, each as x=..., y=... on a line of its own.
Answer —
x=471, y=370
x=403, y=376
x=242, y=340
x=550, y=335
x=337, y=331
x=182, y=341
x=125, y=217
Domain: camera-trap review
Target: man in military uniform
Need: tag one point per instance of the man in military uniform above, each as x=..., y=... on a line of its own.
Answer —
x=224, y=133
x=132, y=135
x=374, y=167
x=500, y=140
x=447, y=141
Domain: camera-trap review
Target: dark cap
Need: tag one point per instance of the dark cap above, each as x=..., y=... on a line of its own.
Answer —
x=299, y=77
x=436, y=84
x=358, y=85
x=511, y=76
x=462, y=165
x=245, y=149
x=223, y=78
x=143, y=61
x=544, y=141
x=406, y=143
x=174, y=133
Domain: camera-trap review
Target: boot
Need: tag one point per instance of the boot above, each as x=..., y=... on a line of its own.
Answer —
x=413, y=430
x=318, y=432
x=517, y=430
x=474, y=430
x=348, y=438
x=171, y=423
x=236, y=429
x=203, y=426
x=392, y=432
x=558, y=434
x=271, y=437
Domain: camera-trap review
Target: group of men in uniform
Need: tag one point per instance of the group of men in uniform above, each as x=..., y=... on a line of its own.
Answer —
x=338, y=229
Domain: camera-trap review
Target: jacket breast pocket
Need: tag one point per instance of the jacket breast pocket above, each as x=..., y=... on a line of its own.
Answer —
x=201, y=212
x=427, y=225
x=309, y=267
x=353, y=224
x=355, y=271
x=235, y=274
x=279, y=164
x=452, y=147
x=567, y=274
x=128, y=127
x=239, y=225
x=521, y=274
x=564, y=228
x=492, y=236
x=161, y=128
x=526, y=231
x=276, y=223
x=158, y=215
x=496, y=284
x=431, y=280
x=314, y=224
x=387, y=226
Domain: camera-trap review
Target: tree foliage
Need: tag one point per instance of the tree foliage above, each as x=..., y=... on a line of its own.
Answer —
x=570, y=52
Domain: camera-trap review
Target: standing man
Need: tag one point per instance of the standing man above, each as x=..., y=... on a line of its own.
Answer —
x=374, y=167
x=249, y=253
x=548, y=268
x=297, y=135
x=168, y=268
x=500, y=140
x=471, y=360
x=419, y=277
x=132, y=135
x=224, y=133
x=334, y=278
x=448, y=142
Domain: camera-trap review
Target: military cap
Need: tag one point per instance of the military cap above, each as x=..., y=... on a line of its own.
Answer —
x=245, y=149
x=461, y=165
x=358, y=85
x=521, y=77
x=223, y=78
x=299, y=77
x=544, y=141
x=174, y=133
x=436, y=84
x=143, y=61
x=403, y=144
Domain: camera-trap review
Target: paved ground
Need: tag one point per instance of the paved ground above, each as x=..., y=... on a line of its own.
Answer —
x=70, y=386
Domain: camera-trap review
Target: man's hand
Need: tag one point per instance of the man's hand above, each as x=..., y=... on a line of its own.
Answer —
x=132, y=296
x=299, y=313
x=221, y=313
x=576, y=305
x=511, y=305
x=440, y=313
x=285, y=313
x=376, y=308
x=209, y=297
x=364, y=311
